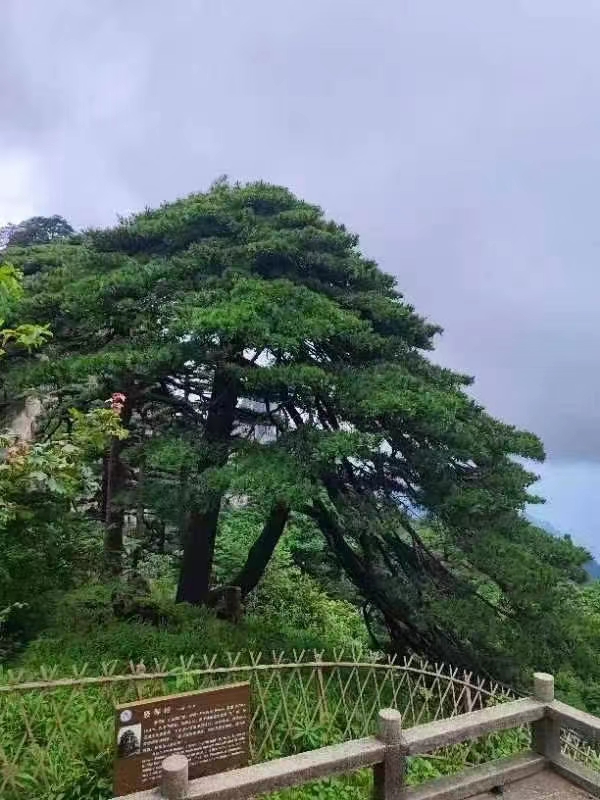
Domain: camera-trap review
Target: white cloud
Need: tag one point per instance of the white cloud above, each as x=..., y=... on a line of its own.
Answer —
x=459, y=139
x=18, y=199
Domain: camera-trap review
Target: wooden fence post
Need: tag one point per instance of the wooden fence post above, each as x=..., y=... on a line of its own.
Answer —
x=389, y=776
x=174, y=785
x=323, y=709
x=546, y=732
x=468, y=697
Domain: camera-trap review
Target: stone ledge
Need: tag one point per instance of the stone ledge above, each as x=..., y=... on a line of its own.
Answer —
x=270, y=776
x=444, y=732
x=578, y=774
x=574, y=719
x=480, y=779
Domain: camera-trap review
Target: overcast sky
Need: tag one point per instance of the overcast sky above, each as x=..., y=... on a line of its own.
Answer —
x=460, y=139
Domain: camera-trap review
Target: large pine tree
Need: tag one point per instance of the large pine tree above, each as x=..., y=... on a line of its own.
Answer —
x=261, y=354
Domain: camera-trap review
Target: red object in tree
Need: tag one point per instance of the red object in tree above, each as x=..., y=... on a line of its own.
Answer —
x=117, y=401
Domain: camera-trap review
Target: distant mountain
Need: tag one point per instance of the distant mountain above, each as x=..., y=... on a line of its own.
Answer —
x=593, y=570
x=592, y=567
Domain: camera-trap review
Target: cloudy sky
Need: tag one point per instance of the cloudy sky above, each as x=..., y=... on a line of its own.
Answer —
x=460, y=139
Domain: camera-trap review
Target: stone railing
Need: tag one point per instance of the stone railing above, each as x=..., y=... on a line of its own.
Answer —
x=387, y=753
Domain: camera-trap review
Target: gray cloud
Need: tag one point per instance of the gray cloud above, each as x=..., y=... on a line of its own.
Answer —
x=459, y=139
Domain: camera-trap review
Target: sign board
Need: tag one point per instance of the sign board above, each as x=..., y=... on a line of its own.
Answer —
x=210, y=727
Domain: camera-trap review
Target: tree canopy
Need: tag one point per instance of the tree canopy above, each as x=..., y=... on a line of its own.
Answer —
x=258, y=354
x=35, y=230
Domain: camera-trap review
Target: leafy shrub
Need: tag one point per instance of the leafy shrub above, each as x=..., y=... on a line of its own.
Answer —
x=47, y=542
x=85, y=629
x=288, y=611
x=287, y=596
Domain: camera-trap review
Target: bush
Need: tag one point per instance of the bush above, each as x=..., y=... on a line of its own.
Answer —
x=290, y=613
x=287, y=597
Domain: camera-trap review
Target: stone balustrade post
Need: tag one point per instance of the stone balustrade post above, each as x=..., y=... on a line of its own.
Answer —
x=546, y=732
x=174, y=785
x=389, y=776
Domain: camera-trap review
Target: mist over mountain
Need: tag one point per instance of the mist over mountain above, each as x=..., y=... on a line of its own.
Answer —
x=592, y=567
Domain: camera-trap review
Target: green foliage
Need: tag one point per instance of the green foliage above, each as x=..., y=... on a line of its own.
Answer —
x=45, y=542
x=26, y=335
x=578, y=679
x=263, y=355
x=287, y=598
x=289, y=611
x=35, y=230
x=11, y=289
x=351, y=787
x=91, y=431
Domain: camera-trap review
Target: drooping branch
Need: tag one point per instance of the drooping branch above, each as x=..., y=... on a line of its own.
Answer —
x=165, y=397
x=410, y=629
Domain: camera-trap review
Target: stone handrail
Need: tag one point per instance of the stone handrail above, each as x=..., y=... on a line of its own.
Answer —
x=433, y=735
x=387, y=752
x=586, y=724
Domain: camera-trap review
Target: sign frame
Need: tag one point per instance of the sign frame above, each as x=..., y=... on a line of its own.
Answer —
x=211, y=727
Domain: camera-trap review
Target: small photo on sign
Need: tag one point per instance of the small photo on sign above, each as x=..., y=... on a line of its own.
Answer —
x=129, y=741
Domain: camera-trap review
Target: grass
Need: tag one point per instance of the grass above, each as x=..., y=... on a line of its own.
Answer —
x=59, y=744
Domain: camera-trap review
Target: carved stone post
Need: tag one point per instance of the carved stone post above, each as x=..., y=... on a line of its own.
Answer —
x=174, y=784
x=389, y=776
x=546, y=732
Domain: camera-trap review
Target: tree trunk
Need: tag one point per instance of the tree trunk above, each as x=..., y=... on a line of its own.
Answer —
x=198, y=553
x=113, y=483
x=201, y=528
x=263, y=548
x=113, y=514
x=162, y=535
x=140, y=524
x=408, y=627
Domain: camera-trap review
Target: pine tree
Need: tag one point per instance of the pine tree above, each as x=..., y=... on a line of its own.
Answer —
x=261, y=354
x=35, y=230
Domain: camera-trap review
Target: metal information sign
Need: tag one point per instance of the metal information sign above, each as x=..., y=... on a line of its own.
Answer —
x=210, y=727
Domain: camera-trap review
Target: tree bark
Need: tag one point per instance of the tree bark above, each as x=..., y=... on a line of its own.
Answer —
x=263, y=548
x=198, y=554
x=201, y=528
x=408, y=633
x=140, y=524
x=113, y=514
